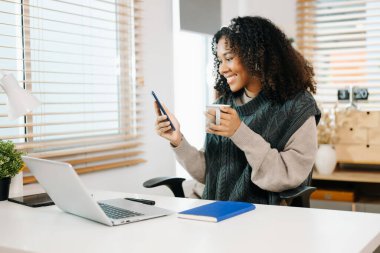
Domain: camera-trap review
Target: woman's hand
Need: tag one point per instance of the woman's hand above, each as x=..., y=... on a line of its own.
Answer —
x=229, y=122
x=163, y=127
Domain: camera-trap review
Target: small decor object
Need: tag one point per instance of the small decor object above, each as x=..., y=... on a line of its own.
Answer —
x=10, y=165
x=325, y=161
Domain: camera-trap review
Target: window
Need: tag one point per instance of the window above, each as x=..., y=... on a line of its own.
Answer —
x=82, y=60
x=342, y=40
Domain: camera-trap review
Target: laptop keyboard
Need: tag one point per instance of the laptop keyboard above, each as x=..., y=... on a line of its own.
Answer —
x=117, y=213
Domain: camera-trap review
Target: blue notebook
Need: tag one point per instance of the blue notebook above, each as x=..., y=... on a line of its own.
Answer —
x=217, y=211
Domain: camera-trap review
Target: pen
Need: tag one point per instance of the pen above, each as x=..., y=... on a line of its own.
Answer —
x=143, y=201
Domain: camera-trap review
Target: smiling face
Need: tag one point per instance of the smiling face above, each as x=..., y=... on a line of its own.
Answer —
x=233, y=69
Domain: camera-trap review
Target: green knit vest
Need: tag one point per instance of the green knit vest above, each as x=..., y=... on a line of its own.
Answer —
x=228, y=173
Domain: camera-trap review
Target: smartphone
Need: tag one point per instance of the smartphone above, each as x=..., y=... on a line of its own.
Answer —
x=162, y=109
x=36, y=200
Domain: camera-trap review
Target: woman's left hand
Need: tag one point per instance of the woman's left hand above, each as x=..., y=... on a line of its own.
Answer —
x=229, y=122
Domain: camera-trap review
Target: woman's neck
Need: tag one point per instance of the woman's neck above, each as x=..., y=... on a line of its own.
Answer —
x=253, y=88
x=249, y=94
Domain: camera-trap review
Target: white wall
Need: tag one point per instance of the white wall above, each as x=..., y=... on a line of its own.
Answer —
x=281, y=12
x=158, y=71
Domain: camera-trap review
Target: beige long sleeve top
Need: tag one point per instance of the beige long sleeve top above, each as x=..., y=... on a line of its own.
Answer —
x=272, y=170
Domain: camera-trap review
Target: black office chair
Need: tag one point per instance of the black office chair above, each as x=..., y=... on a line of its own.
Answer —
x=297, y=197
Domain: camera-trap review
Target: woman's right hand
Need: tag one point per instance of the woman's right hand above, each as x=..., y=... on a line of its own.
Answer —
x=163, y=127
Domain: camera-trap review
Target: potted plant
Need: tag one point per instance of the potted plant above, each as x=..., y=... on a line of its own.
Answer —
x=325, y=162
x=10, y=164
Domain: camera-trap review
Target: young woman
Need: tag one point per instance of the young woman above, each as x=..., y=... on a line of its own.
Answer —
x=267, y=140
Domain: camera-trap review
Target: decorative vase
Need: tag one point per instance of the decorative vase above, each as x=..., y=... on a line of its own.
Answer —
x=325, y=161
x=16, y=188
x=4, y=188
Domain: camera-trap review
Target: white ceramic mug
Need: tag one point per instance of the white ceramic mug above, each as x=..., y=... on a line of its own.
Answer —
x=216, y=108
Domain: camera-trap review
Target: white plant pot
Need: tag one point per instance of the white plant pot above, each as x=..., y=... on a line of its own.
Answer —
x=325, y=161
x=16, y=189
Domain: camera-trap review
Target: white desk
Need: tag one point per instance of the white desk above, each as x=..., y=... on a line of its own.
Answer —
x=266, y=229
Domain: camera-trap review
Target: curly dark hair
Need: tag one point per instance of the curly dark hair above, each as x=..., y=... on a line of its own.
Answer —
x=268, y=54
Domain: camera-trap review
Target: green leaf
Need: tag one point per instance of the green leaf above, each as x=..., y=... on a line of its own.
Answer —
x=10, y=159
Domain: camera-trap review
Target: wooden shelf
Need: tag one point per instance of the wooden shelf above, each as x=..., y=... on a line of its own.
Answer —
x=350, y=176
x=357, y=182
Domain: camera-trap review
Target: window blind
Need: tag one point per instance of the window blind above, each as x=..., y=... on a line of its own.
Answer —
x=342, y=40
x=82, y=59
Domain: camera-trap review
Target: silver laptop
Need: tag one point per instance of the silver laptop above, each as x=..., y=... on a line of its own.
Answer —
x=65, y=188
